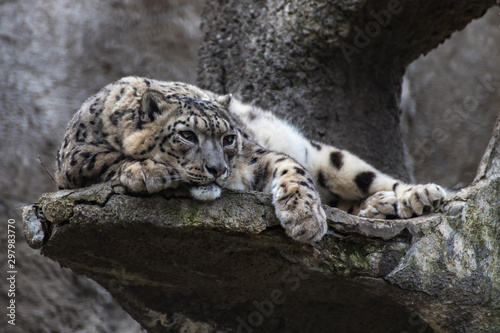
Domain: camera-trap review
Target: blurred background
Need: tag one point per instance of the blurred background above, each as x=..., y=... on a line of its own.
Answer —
x=56, y=53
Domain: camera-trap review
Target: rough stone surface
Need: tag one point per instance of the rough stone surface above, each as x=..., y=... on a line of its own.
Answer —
x=216, y=260
x=172, y=262
x=489, y=166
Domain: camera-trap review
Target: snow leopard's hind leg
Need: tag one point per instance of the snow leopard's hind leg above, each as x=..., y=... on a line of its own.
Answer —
x=346, y=181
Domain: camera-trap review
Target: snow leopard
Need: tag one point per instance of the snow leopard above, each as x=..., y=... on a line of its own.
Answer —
x=153, y=135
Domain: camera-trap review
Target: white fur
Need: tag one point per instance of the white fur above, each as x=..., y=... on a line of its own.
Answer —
x=278, y=135
x=271, y=132
x=206, y=192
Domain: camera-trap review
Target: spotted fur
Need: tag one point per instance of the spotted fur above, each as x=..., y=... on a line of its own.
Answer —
x=153, y=135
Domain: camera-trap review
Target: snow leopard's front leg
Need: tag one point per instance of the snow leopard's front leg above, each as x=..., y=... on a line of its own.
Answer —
x=296, y=201
x=344, y=180
x=146, y=175
x=87, y=164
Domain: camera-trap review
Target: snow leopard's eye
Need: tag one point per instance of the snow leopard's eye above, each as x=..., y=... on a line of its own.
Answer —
x=228, y=140
x=189, y=136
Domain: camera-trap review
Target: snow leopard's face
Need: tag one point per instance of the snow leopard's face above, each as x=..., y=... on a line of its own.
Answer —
x=195, y=136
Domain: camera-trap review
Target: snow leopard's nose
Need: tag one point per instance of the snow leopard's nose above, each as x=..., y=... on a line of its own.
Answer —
x=216, y=170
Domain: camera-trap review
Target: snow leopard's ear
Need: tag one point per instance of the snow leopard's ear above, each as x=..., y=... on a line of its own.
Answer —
x=154, y=103
x=224, y=100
